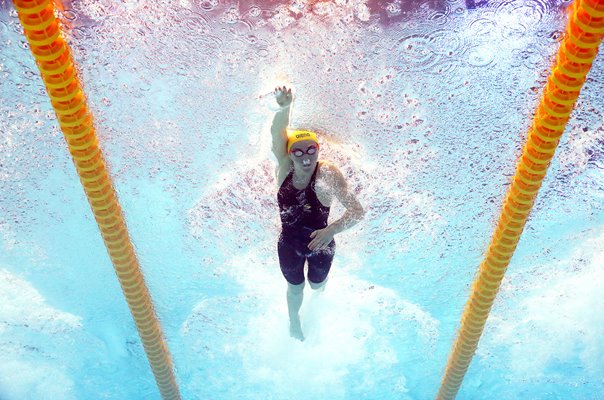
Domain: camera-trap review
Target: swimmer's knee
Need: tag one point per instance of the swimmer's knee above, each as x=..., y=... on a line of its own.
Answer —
x=317, y=286
x=295, y=289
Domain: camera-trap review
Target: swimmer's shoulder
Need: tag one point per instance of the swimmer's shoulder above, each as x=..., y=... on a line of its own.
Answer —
x=327, y=169
x=330, y=175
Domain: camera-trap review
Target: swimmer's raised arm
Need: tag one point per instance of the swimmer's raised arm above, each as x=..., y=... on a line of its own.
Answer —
x=284, y=98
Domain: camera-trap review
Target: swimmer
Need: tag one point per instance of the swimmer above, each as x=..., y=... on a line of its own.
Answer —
x=307, y=187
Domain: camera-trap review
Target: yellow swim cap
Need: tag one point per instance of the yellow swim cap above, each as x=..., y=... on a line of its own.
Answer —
x=298, y=136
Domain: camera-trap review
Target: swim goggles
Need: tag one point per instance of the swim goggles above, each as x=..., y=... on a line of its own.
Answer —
x=310, y=151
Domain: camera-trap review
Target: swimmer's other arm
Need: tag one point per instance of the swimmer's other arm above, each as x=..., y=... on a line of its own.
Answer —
x=354, y=212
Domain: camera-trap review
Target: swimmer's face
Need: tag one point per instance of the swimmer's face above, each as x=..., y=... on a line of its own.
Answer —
x=304, y=154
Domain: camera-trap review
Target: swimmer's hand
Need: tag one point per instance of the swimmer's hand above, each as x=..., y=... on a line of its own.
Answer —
x=283, y=96
x=321, y=239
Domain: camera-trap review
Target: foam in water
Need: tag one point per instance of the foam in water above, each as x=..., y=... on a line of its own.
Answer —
x=343, y=326
x=557, y=319
x=28, y=367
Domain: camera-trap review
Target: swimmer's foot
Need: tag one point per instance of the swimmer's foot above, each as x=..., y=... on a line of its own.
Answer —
x=295, y=330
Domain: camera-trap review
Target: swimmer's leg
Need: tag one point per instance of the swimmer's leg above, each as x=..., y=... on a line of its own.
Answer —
x=292, y=262
x=319, y=264
x=295, y=295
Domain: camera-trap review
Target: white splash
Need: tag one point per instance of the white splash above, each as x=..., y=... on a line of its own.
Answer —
x=348, y=331
x=22, y=305
x=25, y=372
x=560, y=321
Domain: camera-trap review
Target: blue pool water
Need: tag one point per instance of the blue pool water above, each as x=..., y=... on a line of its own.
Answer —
x=423, y=104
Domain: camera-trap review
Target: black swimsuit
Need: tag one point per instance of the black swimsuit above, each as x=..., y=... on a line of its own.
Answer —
x=301, y=214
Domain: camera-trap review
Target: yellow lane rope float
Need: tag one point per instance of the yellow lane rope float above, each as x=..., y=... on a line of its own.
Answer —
x=56, y=65
x=579, y=48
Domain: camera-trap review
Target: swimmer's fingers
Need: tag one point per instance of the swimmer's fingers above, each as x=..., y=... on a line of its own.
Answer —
x=284, y=90
x=317, y=243
x=314, y=244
